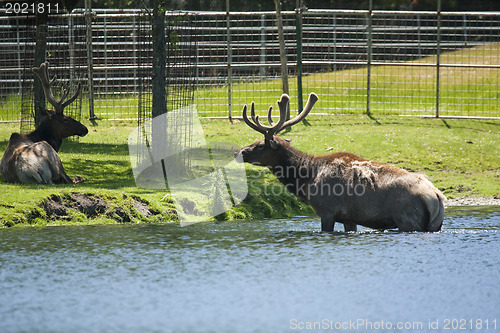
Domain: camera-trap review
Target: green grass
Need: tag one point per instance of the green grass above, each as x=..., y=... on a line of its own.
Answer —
x=461, y=158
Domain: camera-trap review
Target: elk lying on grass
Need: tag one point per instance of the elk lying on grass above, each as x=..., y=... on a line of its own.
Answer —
x=32, y=158
x=343, y=187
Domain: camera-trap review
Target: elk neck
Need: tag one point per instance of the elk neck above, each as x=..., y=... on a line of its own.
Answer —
x=44, y=133
x=294, y=168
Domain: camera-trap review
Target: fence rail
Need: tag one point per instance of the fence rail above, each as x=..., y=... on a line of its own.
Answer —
x=383, y=62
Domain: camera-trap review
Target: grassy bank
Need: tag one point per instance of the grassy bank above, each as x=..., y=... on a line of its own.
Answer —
x=460, y=156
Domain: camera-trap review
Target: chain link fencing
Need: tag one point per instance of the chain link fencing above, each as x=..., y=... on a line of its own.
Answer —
x=358, y=61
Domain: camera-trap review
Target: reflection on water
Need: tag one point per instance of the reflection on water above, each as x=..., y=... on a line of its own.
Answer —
x=248, y=276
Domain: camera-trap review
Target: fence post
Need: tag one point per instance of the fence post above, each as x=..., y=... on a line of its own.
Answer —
x=42, y=22
x=71, y=46
x=158, y=84
x=159, y=42
x=438, y=51
x=298, y=20
x=262, y=46
x=334, y=42
x=369, y=57
x=464, y=27
x=229, y=61
x=197, y=64
x=134, y=48
x=19, y=63
x=105, y=40
x=90, y=64
x=419, y=27
x=281, y=36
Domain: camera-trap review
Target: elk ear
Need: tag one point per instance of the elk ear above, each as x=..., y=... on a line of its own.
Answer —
x=274, y=144
x=288, y=140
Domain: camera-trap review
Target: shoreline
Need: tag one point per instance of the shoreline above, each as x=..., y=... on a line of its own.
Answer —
x=77, y=208
x=85, y=208
x=473, y=201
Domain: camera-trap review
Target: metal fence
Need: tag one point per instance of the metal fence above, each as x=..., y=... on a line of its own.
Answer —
x=357, y=61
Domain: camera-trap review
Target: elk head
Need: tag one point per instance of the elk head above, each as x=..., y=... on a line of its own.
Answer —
x=265, y=152
x=55, y=122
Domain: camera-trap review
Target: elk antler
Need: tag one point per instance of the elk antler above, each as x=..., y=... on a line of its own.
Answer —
x=43, y=74
x=275, y=128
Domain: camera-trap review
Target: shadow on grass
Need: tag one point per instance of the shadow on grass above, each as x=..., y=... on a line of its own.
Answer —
x=95, y=148
x=101, y=173
x=84, y=148
x=372, y=117
x=479, y=125
x=104, y=166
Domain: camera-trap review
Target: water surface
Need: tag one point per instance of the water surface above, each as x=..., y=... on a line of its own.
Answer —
x=250, y=276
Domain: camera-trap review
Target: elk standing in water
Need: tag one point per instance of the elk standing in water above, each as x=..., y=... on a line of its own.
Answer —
x=343, y=187
x=32, y=158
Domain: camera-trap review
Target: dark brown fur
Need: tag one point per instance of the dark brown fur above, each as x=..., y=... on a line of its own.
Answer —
x=374, y=195
x=32, y=158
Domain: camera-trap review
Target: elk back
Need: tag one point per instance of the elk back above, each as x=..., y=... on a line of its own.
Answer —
x=31, y=162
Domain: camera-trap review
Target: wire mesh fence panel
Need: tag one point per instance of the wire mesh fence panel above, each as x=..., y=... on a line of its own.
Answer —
x=252, y=60
x=403, y=73
x=115, y=50
x=60, y=45
x=211, y=64
x=165, y=130
x=384, y=63
x=256, y=60
x=470, y=65
x=13, y=30
x=334, y=60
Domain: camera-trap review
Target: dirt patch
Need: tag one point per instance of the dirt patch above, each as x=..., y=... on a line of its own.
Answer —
x=54, y=207
x=59, y=206
x=88, y=204
x=63, y=207
x=142, y=207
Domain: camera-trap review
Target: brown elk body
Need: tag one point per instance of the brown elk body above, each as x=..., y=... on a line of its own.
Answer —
x=343, y=187
x=33, y=158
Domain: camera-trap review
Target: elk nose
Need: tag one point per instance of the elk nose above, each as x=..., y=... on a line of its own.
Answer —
x=238, y=155
x=84, y=132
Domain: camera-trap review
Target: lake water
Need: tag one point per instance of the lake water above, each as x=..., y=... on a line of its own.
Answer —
x=252, y=276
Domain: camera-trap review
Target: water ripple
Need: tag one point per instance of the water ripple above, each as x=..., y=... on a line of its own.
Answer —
x=246, y=276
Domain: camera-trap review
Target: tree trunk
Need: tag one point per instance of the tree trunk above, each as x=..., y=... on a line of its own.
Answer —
x=40, y=51
x=159, y=59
